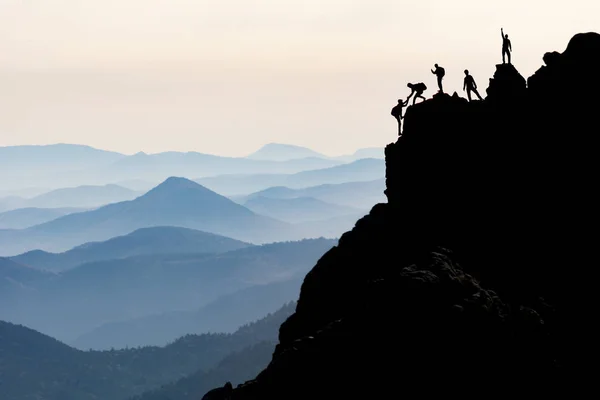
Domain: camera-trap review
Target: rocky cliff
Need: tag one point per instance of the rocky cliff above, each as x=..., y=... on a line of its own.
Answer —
x=475, y=278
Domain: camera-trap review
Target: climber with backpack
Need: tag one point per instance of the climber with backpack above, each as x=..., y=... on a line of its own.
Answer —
x=417, y=89
x=397, y=113
x=439, y=72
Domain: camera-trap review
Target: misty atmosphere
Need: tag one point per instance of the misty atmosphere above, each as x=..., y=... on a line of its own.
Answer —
x=228, y=200
x=108, y=258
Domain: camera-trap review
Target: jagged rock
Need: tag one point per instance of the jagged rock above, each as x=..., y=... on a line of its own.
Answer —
x=473, y=280
x=222, y=393
x=507, y=86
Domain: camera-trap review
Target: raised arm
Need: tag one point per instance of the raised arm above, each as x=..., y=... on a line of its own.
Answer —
x=502, y=32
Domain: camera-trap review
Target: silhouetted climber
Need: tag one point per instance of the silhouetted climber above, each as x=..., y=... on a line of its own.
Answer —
x=470, y=85
x=417, y=89
x=397, y=113
x=506, y=46
x=439, y=72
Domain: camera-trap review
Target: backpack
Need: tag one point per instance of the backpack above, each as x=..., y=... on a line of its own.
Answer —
x=420, y=87
x=442, y=71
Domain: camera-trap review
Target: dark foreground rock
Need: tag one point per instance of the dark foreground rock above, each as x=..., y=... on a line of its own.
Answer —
x=476, y=278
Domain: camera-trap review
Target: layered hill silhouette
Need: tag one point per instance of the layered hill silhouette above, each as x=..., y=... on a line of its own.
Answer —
x=31, y=166
x=18, y=279
x=474, y=279
x=145, y=241
x=26, y=217
x=367, y=152
x=85, y=196
x=162, y=165
x=297, y=210
x=76, y=301
x=333, y=227
x=65, y=165
x=224, y=315
x=362, y=194
x=175, y=202
x=366, y=169
x=283, y=152
x=237, y=367
x=34, y=365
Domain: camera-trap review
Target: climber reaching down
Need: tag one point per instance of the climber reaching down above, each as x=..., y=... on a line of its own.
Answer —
x=417, y=89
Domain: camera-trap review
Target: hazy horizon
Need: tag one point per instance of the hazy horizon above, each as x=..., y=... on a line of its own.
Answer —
x=250, y=152
x=225, y=77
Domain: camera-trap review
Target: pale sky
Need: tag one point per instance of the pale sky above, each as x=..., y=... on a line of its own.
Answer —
x=227, y=76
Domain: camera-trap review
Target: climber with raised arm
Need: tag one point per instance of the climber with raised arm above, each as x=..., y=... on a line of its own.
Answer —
x=506, y=46
x=397, y=113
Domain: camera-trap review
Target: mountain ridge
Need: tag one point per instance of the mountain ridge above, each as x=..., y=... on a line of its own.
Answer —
x=366, y=169
x=224, y=314
x=475, y=267
x=78, y=300
x=60, y=372
x=175, y=202
x=143, y=241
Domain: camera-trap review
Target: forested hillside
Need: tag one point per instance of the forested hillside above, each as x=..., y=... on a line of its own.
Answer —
x=34, y=366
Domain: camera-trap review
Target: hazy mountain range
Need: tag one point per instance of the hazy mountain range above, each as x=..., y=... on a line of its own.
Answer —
x=361, y=195
x=22, y=218
x=36, y=366
x=366, y=169
x=68, y=304
x=104, y=250
x=176, y=202
x=298, y=209
x=85, y=196
x=285, y=152
x=66, y=165
x=225, y=314
x=145, y=241
x=180, y=202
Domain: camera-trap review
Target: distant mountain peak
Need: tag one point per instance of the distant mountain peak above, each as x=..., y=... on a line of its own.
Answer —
x=284, y=152
x=176, y=182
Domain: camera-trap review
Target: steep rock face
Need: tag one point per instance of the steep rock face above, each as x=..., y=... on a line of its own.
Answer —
x=472, y=279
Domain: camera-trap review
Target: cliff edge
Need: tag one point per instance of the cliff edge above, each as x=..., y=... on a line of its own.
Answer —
x=476, y=277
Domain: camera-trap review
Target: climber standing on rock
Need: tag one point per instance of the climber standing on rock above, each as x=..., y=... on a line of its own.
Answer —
x=470, y=85
x=439, y=72
x=397, y=113
x=506, y=46
x=417, y=89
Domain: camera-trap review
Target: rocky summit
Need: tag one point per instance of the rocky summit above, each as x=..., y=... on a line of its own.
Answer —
x=476, y=277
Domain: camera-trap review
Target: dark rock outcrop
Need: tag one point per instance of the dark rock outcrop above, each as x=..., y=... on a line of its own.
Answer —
x=222, y=393
x=475, y=278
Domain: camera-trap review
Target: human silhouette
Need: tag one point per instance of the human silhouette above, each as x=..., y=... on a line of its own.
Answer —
x=439, y=72
x=470, y=85
x=417, y=89
x=397, y=113
x=506, y=46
